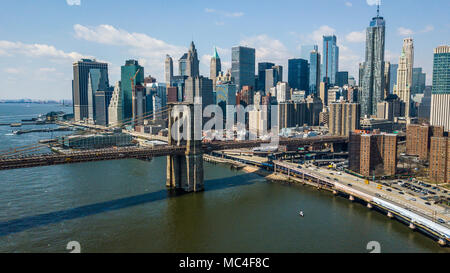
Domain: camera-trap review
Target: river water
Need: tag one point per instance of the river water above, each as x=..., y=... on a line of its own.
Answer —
x=123, y=206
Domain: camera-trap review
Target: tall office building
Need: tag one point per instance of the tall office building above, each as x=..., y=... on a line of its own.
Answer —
x=330, y=64
x=274, y=75
x=404, y=75
x=387, y=79
x=341, y=78
x=192, y=62
x=314, y=72
x=80, y=83
x=424, y=109
x=343, y=118
x=440, y=96
x=372, y=84
x=102, y=101
x=262, y=67
x=283, y=92
x=323, y=93
x=168, y=69
x=199, y=87
x=440, y=159
x=243, y=66
x=115, y=108
x=132, y=74
x=215, y=68
x=182, y=64
x=418, y=81
x=393, y=76
x=298, y=74
x=96, y=82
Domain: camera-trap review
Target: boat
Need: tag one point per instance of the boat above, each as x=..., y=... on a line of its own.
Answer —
x=301, y=213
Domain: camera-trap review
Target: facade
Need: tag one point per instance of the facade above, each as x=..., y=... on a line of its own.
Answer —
x=418, y=139
x=440, y=159
x=182, y=64
x=405, y=74
x=172, y=94
x=273, y=76
x=225, y=95
x=115, y=109
x=373, y=154
x=372, y=72
x=192, y=62
x=314, y=108
x=390, y=108
x=199, y=87
x=262, y=67
x=132, y=74
x=102, y=101
x=168, y=69
x=333, y=94
x=283, y=92
x=292, y=114
x=323, y=93
x=215, y=68
x=393, y=76
x=96, y=82
x=80, y=97
x=298, y=74
x=243, y=66
x=314, y=72
x=418, y=81
x=440, y=96
x=330, y=65
x=341, y=78
x=387, y=79
x=343, y=118
x=424, y=109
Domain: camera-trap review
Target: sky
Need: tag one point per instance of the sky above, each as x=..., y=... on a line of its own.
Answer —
x=40, y=39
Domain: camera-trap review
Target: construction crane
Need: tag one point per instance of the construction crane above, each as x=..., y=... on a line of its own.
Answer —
x=133, y=92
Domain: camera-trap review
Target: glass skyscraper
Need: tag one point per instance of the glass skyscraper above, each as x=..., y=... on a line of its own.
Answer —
x=393, y=76
x=440, y=96
x=127, y=73
x=243, y=66
x=80, y=86
x=314, y=72
x=372, y=85
x=330, y=65
x=298, y=74
x=305, y=50
x=262, y=67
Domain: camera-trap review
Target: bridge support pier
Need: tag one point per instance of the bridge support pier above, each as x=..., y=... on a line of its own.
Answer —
x=351, y=198
x=185, y=172
x=369, y=206
x=442, y=242
x=412, y=226
x=390, y=215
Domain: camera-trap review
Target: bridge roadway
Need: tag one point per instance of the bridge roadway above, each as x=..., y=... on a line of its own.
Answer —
x=35, y=160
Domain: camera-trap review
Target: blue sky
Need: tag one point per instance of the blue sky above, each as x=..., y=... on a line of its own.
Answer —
x=40, y=39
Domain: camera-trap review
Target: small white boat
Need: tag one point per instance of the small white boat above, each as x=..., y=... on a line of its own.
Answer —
x=301, y=214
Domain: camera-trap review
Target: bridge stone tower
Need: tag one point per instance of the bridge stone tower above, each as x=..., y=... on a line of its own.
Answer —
x=185, y=172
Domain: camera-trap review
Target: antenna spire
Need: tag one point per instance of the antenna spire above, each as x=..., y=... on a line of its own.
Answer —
x=378, y=8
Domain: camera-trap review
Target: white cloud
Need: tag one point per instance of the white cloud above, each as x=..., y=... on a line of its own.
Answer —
x=373, y=2
x=348, y=4
x=402, y=31
x=143, y=47
x=73, y=2
x=317, y=35
x=356, y=37
x=36, y=50
x=428, y=28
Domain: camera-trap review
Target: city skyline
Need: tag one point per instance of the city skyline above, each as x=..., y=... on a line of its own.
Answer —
x=37, y=58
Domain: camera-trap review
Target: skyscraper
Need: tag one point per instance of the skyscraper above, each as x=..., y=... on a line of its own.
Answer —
x=341, y=78
x=440, y=97
x=262, y=67
x=344, y=118
x=132, y=74
x=243, y=66
x=372, y=83
x=192, y=62
x=404, y=74
x=418, y=81
x=215, y=67
x=330, y=59
x=115, y=110
x=314, y=72
x=393, y=76
x=273, y=76
x=298, y=74
x=168, y=69
x=182, y=64
x=81, y=70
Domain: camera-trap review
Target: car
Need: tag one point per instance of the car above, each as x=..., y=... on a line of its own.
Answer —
x=350, y=185
x=377, y=195
x=389, y=190
x=427, y=203
x=402, y=193
x=441, y=221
